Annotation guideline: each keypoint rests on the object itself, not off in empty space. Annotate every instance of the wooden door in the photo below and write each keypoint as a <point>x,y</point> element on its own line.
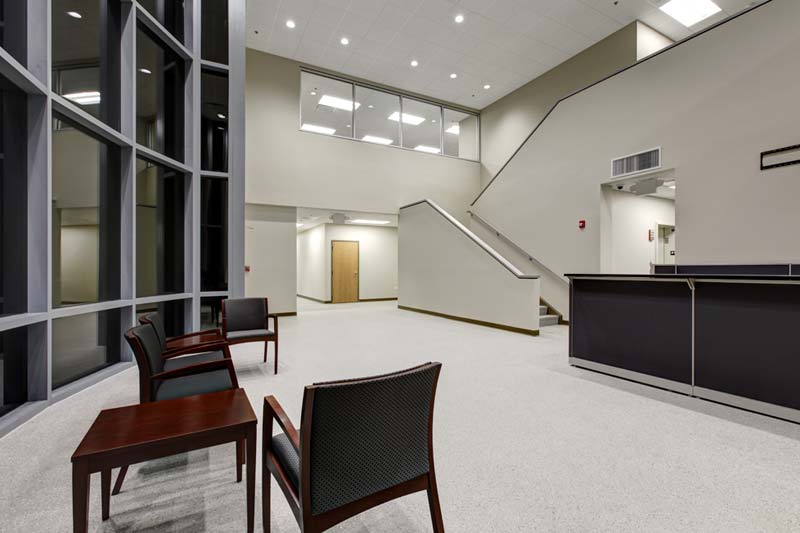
<point>344,271</point>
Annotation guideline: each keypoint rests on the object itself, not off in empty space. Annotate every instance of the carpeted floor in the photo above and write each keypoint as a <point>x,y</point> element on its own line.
<point>523,442</point>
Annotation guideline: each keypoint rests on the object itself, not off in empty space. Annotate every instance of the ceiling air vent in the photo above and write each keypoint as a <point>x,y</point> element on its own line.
<point>632,164</point>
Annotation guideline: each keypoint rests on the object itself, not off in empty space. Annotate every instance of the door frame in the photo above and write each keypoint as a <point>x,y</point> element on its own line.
<point>358,277</point>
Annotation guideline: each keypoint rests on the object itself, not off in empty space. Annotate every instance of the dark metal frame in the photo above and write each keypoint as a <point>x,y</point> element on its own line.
<point>794,148</point>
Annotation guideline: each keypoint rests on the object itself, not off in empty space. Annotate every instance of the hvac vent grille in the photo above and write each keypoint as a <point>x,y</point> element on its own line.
<point>636,163</point>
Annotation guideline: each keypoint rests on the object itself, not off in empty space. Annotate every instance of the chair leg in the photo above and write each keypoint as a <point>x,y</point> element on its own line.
<point>276,356</point>
<point>120,479</point>
<point>433,502</point>
<point>239,460</point>
<point>266,345</point>
<point>266,485</point>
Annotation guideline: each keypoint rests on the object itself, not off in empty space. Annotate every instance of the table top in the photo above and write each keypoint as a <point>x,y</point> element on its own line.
<point>147,423</point>
<point>195,341</point>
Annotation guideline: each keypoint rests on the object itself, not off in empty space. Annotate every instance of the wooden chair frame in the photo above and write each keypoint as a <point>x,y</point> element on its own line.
<point>181,345</point>
<point>301,503</point>
<point>265,338</point>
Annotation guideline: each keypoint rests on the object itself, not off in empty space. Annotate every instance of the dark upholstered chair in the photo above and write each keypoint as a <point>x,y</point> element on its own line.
<point>195,342</point>
<point>163,378</point>
<point>247,320</point>
<point>362,442</point>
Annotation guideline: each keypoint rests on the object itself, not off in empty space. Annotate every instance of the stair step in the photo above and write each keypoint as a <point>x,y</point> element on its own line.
<point>548,320</point>
<point>542,310</point>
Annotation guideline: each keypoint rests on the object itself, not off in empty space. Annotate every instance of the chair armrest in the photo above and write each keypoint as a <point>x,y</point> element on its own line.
<point>195,334</point>
<point>274,318</point>
<point>199,368</point>
<point>273,410</point>
<point>220,345</point>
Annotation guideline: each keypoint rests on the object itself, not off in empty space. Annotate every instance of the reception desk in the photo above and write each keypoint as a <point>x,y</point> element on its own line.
<point>732,339</point>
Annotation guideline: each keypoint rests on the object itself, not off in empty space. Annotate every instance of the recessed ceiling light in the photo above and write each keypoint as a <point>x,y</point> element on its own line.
<point>313,93</point>
<point>74,14</point>
<point>459,18</point>
<point>339,103</point>
<point>453,76</point>
<point>345,41</point>
<point>690,12</point>
<point>487,86</point>
<point>371,106</point>
<point>434,121</point>
<point>145,71</point>
<point>221,116</point>
<point>318,129</point>
<point>84,98</point>
<point>290,24</point>
<point>414,63</point>
<point>455,129</point>
<point>429,149</point>
<point>376,140</point>
<point>299,224</point>
<point>368,221</point>
<point>349,126</point>
<point>407,118</point>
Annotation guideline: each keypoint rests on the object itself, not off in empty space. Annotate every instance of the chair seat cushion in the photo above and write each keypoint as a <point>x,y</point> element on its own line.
<point>193,359</point>
<point>287,457</point>
<point>249,333</point>
<point>214,381</point>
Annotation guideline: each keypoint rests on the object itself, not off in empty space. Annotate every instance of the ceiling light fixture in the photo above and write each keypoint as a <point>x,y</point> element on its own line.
<point>414,120</point>
<point>487,86</point>
<point>368,221</point>
<point>221,116</point>
<point>345,41</point>
<point>313,93</point>
<point>145,71</point>
<point>74,14</point>
<point>290,24</point>
<point>376,140</point>
<point>299,224</point>
<point>428,149</point>
<point>84,98</point>
<point>317,129</point>
<point>339,103</point>
<point>690,12</point>
<point>455,129</point>
<point>459,18</point>
<point>453,76</point>
<point>414,63</point>
<point>371,106</point>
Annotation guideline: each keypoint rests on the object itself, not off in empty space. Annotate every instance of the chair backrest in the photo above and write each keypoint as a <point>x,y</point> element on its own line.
<point>146,347</point>
<point>240,314</point>
<point>154,319</point>
<point>360,437</point>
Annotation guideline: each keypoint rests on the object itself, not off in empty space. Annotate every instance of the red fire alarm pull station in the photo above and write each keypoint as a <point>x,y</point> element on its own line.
<point>650,236</point>
<point>247,268</point>
<point>581,224</point>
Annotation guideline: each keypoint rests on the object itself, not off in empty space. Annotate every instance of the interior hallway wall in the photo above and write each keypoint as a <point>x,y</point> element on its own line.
<point>311,263</point>
<point>286,166</point>
<point>377,254</point>
<point>270,252</point>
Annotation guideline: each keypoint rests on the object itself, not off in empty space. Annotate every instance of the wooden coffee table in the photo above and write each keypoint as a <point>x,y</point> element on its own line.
<point>137,433</point>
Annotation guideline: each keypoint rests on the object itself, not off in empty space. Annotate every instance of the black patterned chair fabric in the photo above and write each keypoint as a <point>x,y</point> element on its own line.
<point>158,325</point>
<point>245,315</point>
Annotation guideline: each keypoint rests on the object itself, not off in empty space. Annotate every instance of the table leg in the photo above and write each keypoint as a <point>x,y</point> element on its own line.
<point>251,476</point>
<point>105,489</point>
<point>239,459</point>
<point>80,497</point>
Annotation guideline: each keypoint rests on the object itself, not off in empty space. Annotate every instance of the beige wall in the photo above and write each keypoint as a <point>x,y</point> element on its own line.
<point>288,167</point>
<point>80,248</point>
<point>311,278</point>
<point>649,41</point>
<point>377,258</point>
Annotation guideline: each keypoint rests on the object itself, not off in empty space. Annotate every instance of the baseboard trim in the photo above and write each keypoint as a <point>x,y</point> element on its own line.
<point>313,299</point>
<point>513,329</point>
<point>287,313</point>
<point>377,299</point>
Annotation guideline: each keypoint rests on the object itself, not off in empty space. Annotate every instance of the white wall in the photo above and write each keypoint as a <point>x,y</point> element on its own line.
<point>713,104</point>
<point>443,270</point>
<point>377,254</point>
<point>626,219</point>
<point>649,41</point>
<point>288,167</point>
<point>270,252</point>
<point>311,264</point>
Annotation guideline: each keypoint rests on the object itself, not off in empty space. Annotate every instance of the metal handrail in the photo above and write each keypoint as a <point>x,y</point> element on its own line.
<point>474,238</point>
<point>516,246</point>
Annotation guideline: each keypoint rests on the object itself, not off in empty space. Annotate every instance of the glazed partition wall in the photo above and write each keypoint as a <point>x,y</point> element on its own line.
<point>121,182</point>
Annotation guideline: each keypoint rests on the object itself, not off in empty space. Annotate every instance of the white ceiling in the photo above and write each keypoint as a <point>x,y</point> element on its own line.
<point>504,43</point>
<point>310,217</point>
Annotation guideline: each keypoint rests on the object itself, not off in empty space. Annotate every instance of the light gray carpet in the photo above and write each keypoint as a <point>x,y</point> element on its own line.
<point>523,442</point>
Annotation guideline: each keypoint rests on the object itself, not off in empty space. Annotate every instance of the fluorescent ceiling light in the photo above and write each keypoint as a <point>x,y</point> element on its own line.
<point>345,41</point>
<point>455,129</point>
<point>459,18</point>
<point>318,129</point>
<point>84,98</point>
<point>428,149</point>
<point>290,24</point>
<point>368,221</point>
<point>487,86</point>
<point>414,120</point>
<point>338,103</point>
<point>74,14</point>
<point>690,12</point>
<point>453,76</point>
<point>145,71</point>
<point>376,140</point>
<point>414,63</point>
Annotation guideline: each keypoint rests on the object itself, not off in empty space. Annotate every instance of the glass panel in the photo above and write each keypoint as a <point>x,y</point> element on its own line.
<point>13,200</point>
<point>84,344</point>
<point>172,313</point>
<point>13,19</point>
<point>211,312</point>
<point>160,229</point>
<point>460,134</point>
<point>376,120</point>
<point>421,126</point>
<point>86,217</point>
<point>215,31</point>
<point>85,55</point>
<point>326,106</point>
<point>169,13</point>
<point>159,97</point>
<point>13,369</point>
<point>214,153</point>
<point>214,235</point>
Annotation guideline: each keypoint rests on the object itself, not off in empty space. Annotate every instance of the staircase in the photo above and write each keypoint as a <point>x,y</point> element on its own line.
<point>546,319</point>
